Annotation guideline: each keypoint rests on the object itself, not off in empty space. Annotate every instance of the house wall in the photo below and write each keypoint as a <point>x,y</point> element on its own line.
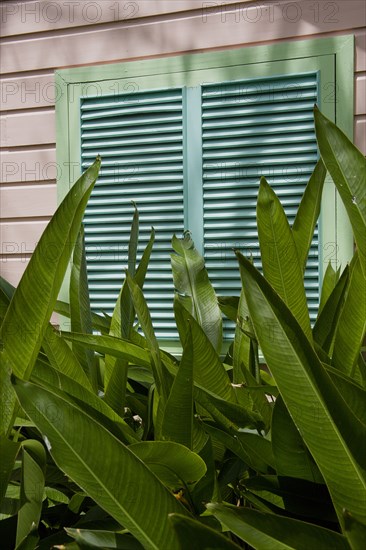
<point>41,36</point>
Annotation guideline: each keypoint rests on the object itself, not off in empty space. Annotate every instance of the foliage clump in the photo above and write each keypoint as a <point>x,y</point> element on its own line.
<point>109,441</point>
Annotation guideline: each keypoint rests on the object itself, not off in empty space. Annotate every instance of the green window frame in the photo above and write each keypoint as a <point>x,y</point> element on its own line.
<point>331,58</point>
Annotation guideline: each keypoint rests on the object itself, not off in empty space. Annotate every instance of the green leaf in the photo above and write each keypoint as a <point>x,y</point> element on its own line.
<point>272,532</point>
<point>208,370</point>
<point>58,352</point>
<point>174,464</point>
<point>62,358</point>
<point>36,294</point>
<point>229,415</point>
<point>281,265</point>
<point>103,539</point>
<point>116,370</point>
<point>351,327</point>
<point>355,531</point>
<point>326,323</point>
<point>46,376</point>
<point>113,346</point>
<point>194,290</point>
<point>255,451</point>
<point>206,489</point>
<point>242,341</point>
<point>31,541</point>
<point>30,309</point>
<point>323,418</point>
<point>32,487</point>
<point>330,280</point>
<point>92,457</point>
<point>291,454</point>
<point>308,213</point>
<point>80,313</point>
<point>144,318</point>
<point>304,499</point>
<point>259,394</point>
<point>6,293</point>
<point>100,322</point>
<point>133,243</point>
<point>115,373</point>
<point>229,306</point>
<point>56,496</point>
<point>196,536</point>
<point>8,453</point>
<point>352,393</point>
<point>178,414</point>
<point>346,164</point>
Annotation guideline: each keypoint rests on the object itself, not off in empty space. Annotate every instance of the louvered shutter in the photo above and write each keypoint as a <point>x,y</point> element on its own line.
<point>140,139</point>
<point>249,128</point>
<point>253,128</point>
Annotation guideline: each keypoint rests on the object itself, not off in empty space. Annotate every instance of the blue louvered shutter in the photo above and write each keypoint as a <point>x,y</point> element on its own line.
<point>249,128</point>
<point>253,128</point>
<point>140,139</point>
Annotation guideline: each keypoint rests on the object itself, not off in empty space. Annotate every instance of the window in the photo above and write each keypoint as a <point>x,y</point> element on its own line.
<point>187,138</point>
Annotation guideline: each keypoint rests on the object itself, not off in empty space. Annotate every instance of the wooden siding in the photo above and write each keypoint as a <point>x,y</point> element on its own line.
<point>39,38</point>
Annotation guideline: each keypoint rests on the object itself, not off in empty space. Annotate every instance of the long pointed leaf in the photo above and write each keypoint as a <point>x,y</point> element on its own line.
<point>100,322</point>
<point>174,464</point>
<point>178,415</point>
<point>62,358</point>
<point>32,486</point>
<point>194,289</point>
<point>308,213</point>
<point>272,532</point>
<point>102,539</point>
<point>144,318</point>
<point>330,280</point>
<point>115,478</point>
<point>46,376</point>
<point>121,324</point>
<point>291,454</point>
<point>36,294</point>
<point>115,377</point>
<point>80,311</point>
<point>208,370</point>
<point>326,323</point>
<point>253,450</point>
<point>322,416</point>
<point>280,260</point>
<point>8,453</point>
<point>30,309</point>
<point>351,327</point>
<point>196,536</point>
<point>347,166</point>
<point>56,349</point>
<point>355,531</point>
<point>114,346</point>
<point>353,394</point>
<point>242,347</point>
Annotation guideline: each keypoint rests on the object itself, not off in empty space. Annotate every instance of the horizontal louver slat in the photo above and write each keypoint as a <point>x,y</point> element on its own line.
<point>254,128</point>
<point>140,139</point>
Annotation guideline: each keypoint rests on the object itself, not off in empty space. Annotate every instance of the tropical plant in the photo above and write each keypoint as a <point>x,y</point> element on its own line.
<point>108,441</point>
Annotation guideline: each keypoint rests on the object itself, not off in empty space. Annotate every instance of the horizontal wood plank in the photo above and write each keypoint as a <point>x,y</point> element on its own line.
<point>12,268</point>
<point>28,201</point>
<point>214,30</point>
<point>360,53</point>
<point>360,94</point>
<point>28,128</point>
<point>42,15</point>
<point>28,92</point>
<point>360,133</point>
<point>35,165</point>
<point>21,237</point>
